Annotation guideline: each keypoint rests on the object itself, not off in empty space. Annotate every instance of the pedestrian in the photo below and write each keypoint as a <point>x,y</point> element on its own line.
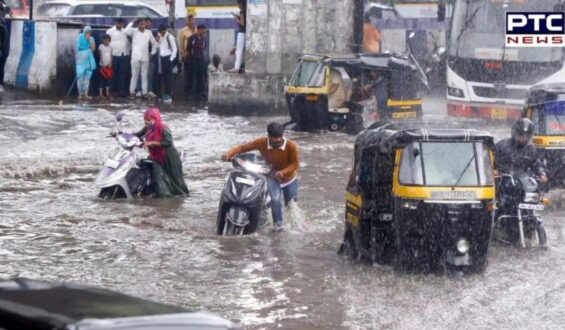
<point>121,60</point>
<point>240,43</point>
<point>141,40</point>
<point>167,54</point>
<point>152,75</point>
<point>85,63</point>
<point>371,36</point>
<point>105,54</point>
<point>4,36</point>
<point>282,154</point>
<point>216,65</point>
<point>196,51</point>
<point>185,33</point>
<point>167,167</point>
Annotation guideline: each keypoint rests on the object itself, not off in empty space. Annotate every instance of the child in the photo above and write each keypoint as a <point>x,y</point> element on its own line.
<point>105,52</point>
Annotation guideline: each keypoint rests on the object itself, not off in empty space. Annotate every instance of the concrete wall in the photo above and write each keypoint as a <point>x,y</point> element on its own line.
<point>31,63</point>
<point>246,94</point>
<point>278,31</point>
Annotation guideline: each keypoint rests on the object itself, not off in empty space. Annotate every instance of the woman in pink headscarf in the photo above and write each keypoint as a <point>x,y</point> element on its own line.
<point>167,167</point>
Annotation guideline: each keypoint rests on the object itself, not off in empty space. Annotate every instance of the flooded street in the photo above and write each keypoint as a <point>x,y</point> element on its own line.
<point>53,227</point>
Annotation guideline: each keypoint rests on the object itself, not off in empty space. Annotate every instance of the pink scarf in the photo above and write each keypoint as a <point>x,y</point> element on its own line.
<point>155,134</point>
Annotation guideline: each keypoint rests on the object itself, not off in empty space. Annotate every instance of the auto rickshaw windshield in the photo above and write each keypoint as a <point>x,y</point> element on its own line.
<point>446,164</point>
<point>554,118</point>
<point>308,74</point>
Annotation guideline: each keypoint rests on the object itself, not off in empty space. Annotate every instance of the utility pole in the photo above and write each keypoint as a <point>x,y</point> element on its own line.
<point>172,19</point>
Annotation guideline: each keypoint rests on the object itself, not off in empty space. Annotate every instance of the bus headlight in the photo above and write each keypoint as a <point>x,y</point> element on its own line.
<point>455,92</point>
<point>463,246</point>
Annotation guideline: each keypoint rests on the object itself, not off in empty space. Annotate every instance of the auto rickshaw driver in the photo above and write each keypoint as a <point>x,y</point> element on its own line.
<point>377,88</point>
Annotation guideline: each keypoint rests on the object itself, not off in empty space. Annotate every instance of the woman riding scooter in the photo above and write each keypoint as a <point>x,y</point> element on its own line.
<point>167,172</point>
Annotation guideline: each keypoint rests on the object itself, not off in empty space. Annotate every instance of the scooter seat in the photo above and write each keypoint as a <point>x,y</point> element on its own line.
<point>339,110</point>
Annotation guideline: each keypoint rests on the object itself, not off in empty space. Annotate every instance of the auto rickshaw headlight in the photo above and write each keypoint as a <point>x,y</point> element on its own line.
<point>409,204</point>
<point>531,197</point>
<point>463,246</point>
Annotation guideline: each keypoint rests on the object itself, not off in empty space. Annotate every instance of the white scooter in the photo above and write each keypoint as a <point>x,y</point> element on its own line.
<point>126,174</point>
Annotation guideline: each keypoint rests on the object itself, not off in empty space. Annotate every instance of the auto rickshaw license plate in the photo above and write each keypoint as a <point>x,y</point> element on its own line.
<point>535,207</point>
<point>498,113</point>
<point>399,115</point>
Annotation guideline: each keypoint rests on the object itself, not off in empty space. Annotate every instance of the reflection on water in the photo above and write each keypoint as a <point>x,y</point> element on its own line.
<point>53,227</point>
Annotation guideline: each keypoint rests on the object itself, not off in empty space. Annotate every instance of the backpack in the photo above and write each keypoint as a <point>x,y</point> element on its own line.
<point>176,61</point>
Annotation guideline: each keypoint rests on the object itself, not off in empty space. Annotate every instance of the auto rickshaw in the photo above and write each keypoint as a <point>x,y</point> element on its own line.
<point>545,107</point>
<point>421,199</point>
<point>325,91</point>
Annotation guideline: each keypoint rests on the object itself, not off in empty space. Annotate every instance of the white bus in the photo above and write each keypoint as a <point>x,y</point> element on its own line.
<point>485,79</point>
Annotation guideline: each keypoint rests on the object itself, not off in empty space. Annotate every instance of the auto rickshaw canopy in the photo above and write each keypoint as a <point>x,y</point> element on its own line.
<point>400,63</point>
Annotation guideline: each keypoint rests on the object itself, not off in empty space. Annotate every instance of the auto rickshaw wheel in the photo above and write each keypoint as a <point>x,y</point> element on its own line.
<point>334,127</point>
<point>348,249</point>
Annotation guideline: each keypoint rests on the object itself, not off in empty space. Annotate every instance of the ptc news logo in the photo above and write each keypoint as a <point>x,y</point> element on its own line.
<point>535,29</point>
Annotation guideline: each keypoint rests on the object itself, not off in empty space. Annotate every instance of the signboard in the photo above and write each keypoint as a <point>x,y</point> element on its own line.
<point>213,11</point>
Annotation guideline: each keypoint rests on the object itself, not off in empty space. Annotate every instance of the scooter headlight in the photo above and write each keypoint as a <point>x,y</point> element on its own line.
<point>532,197</point>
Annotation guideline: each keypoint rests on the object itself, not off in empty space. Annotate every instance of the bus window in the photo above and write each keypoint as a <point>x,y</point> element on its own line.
<point>211,3</point>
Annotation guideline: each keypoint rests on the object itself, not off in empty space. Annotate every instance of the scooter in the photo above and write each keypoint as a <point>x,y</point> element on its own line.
<point>245,198</point>
<point>126,174</point>
<point>519,202</point>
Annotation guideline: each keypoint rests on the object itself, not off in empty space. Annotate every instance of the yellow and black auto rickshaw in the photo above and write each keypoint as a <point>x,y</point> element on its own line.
<point>421,199</point>
<point>325,91</point>
<point>545,107</point>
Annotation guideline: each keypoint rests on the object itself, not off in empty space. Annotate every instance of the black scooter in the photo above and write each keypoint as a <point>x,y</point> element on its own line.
<point>519,201</point>
<point>245,197</point>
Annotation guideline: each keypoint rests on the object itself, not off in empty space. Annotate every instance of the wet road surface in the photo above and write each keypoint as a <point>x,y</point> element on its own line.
<point>53,227</point>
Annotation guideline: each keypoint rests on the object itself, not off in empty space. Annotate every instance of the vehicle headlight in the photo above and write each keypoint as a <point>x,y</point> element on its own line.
<point>463,246</point>
<point>409,204</point>
<point>531,197</point>
<point>456,92</point>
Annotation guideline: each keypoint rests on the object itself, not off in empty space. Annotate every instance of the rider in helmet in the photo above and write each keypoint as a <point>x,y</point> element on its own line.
<point>518,153</point>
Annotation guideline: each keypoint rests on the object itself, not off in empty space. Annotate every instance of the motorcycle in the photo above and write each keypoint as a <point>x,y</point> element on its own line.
<point>518,205</point>
<point>245,198</point>
<point>126,174</point>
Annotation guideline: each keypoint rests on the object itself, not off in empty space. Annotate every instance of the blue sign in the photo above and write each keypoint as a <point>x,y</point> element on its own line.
<point>535,23</point>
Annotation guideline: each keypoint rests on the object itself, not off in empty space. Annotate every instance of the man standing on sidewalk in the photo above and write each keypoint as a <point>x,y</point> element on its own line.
<point>196,49</point>
<point>120,57</point>
<point>141,40</point>
<point>185,33</point>
<point>167,55</point>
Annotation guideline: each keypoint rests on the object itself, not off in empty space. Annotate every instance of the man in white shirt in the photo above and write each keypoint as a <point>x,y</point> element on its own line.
<point>167,54</point>
<point>120,57</point>
<point>141,40</point>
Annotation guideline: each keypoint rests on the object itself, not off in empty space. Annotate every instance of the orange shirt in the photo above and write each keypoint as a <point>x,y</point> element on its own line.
<point>283,159</point>
<point>371,38</point>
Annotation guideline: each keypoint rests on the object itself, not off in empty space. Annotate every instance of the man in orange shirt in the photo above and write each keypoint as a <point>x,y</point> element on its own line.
<point>282,154</point>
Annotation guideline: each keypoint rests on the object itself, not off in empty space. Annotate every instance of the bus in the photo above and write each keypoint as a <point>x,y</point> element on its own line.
<point>486,79</point>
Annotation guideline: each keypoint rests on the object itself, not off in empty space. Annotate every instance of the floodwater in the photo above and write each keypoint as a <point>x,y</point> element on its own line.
<point>53,227</point>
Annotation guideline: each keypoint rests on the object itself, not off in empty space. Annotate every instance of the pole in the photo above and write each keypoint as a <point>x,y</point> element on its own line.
<point>30,10</point>
<point>172,14</point>
<point>359,6</point>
